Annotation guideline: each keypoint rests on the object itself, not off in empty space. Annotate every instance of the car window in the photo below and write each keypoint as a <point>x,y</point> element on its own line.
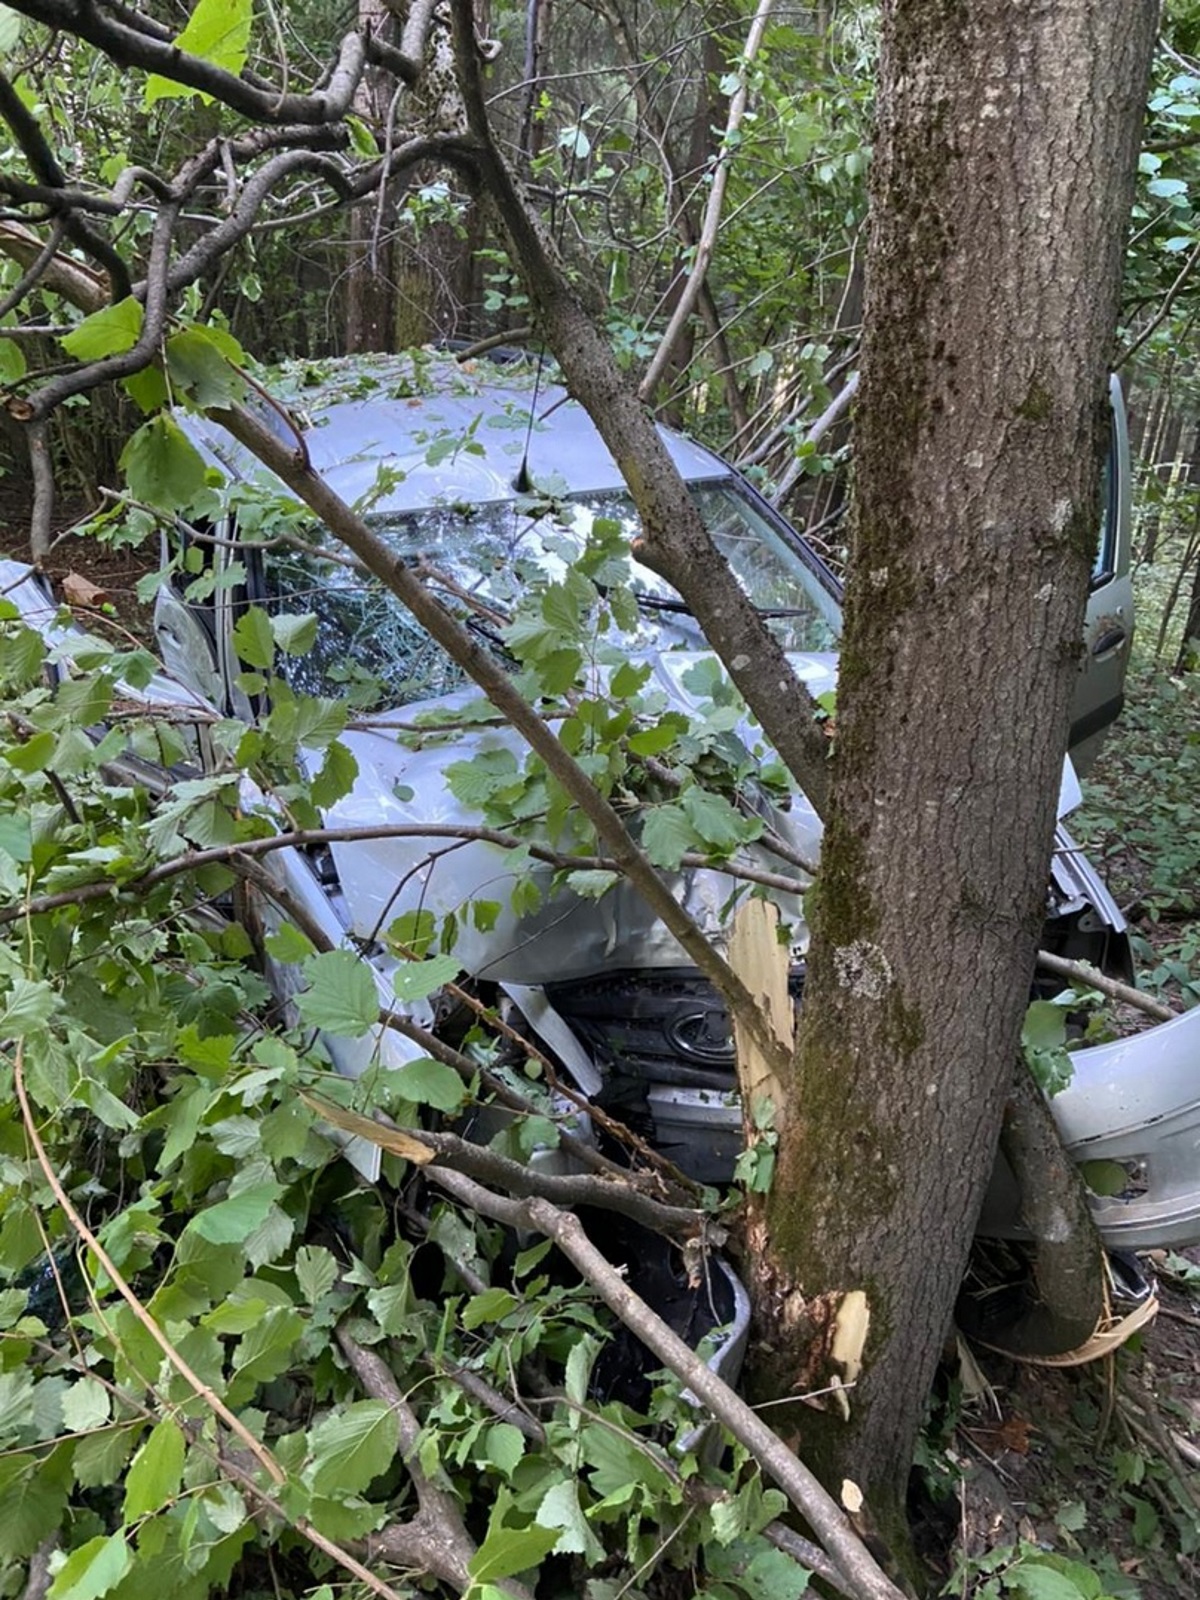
<point>1102,567</point>
<point>480,559</point>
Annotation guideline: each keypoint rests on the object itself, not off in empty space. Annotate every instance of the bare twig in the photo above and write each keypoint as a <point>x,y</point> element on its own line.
<point>41,470</point>
<point>1089,977</point>
<point>213,1400</point>
<point>712,214</point>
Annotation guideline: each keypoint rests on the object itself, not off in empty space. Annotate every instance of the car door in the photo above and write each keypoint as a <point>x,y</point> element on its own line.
<point>1108,622</point>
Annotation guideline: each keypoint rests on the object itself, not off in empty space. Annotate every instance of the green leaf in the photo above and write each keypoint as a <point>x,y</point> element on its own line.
<point>92,1570</point>
<point>352,1447</point>
<point>361,137</point>
<point>474,782</point>
<point>147,389</point>
<point>217,31</point>
<point>265,1350</point>
<point>592,883</point>
<point>10,30</point>
<point>1043,1041</point>
<point>316,1271</point>
<point>110,331</point>
<point>758,1573</point>
<point>156,1472</point>
<point>288,945</point>
<point>295,635</point>
<point>429,1083</point>
<point>653,741</point>
<point>503,1447</point>
<point>35,755</point>
<point>86,1405</point>
<point>579,1368</point>
<point>162,466</point>
<point>629,677</point>
<point>1104,1177</point>
<point>417,980</point>
<point>28,1007</point>
<point>488,1306</point>
<point>718,823</point>
<point>32,1496</point>
<point>414,930</point>
<point>560,1508</point>
<point>254,638</point>
<point>16,838</point>
<point>12,357</point>
<point>507,1551</point>
<point>100,1459</point>
<point>199,369</point>
<point>341,997</point>
<point>231,1220</point>
<point>667,835</point>
<point>1033,1581</point>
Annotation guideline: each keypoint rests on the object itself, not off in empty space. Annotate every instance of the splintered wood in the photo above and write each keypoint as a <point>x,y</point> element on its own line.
<point>761,962</point>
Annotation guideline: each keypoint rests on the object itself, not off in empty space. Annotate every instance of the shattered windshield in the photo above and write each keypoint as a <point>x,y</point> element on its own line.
<point>480,561</point>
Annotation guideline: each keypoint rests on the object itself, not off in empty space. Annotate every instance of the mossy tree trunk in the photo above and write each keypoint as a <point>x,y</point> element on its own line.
<point>1007,141</point>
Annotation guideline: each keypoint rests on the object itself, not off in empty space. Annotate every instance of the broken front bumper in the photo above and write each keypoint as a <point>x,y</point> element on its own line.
<point>1136,1103</point>
<point>1133,1104</point>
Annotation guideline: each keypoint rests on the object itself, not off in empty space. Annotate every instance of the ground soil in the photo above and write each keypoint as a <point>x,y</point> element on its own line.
<point>1099,1463</point>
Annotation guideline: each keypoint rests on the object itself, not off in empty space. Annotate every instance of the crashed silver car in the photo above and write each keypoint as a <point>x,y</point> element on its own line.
<point>435,455</point>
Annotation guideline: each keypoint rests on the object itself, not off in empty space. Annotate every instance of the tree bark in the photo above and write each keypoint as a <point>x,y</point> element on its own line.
<point>370,289</point>
<point>1001,184</point>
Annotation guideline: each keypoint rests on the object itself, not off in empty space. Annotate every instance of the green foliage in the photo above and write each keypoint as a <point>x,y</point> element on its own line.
<point>185,1129</point>
<point>1044,1043</point>
<point>1140,818</point>
<point>218,31</point>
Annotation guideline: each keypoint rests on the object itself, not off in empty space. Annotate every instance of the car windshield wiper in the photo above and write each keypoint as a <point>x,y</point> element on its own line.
<point>659,602</point>
<point>662,602</point>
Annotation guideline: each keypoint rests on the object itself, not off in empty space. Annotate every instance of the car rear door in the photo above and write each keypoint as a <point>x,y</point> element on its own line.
<point>1108,622</point>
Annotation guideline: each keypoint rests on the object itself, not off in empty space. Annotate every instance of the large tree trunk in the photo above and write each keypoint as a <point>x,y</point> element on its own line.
<point>1002,180</point>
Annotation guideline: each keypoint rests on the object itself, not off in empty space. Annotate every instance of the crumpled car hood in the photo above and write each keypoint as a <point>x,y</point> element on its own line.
<point>568,936</point>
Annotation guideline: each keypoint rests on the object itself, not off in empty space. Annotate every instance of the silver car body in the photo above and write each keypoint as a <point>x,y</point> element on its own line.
<point>1135,1102</point>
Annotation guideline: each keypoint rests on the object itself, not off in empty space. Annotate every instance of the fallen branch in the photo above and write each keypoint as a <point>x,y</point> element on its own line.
<point>614,1193</point>
<point>436,1539</point>
<point>1089,977</point>
<point>203,1390</point>
<point>863,1578</point>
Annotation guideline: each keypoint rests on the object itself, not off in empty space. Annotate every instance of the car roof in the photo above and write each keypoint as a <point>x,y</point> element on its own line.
<point>449,431</point>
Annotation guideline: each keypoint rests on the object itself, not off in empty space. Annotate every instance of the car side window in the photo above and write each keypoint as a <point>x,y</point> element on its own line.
<point>1106,550</point>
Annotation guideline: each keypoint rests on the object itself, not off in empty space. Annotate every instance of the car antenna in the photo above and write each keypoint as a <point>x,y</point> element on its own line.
<point>523,482</point>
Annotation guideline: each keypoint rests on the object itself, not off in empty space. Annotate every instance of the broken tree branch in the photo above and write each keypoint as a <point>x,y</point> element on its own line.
<point>1086,976</point>
<point>435,1540</point>
<point>862,1575</point>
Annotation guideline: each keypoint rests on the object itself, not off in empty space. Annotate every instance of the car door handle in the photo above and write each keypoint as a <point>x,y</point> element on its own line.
<point>1110,642</point>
